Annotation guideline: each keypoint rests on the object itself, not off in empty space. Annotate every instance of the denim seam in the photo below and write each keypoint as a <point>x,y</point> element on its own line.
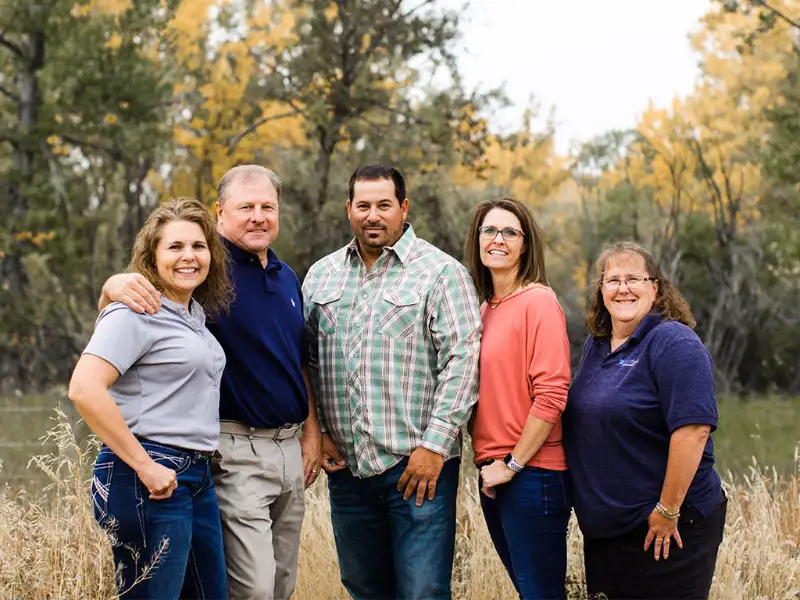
<point>137,491</point>
<point>198,583</point>
<point>547,525</point>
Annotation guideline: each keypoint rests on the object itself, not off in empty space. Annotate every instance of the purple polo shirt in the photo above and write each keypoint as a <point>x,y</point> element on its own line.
<point>622,409</point>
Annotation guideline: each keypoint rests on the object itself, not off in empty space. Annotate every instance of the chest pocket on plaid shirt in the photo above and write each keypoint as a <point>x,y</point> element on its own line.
<point>327,302</point>
<point>399,313</point>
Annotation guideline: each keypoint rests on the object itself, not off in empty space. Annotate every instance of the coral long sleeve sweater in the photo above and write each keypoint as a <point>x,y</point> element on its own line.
<point>524,369</point>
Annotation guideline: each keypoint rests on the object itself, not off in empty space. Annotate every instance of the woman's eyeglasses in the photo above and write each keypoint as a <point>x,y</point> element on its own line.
<point>509,233</point>
<point>631,281</point>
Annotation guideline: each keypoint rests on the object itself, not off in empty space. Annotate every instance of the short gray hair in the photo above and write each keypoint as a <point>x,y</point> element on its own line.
<point>243,174</point>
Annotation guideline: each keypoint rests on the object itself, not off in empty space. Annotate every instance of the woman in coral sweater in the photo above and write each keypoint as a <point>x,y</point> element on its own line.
<point>525,376</point>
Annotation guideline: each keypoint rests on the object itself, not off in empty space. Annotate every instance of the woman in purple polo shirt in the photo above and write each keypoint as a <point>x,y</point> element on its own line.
<point>637,437</point>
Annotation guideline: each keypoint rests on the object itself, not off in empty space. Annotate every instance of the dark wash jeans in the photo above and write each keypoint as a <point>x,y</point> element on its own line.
<point>390,549</point>
<point>192,564</point>
<point>528,524</point>
<point>619,568</point>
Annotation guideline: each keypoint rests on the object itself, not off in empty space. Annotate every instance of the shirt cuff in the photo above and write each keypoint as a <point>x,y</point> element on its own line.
<point>439,437</point>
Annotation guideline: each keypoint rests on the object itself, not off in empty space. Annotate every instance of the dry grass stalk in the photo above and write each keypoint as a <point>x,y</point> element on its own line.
<point>51,547</point>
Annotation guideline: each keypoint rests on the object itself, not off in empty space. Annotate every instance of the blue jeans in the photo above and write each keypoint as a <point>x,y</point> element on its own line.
<point>528,524</point>
<point>389,548</point>
<point>181,535</point>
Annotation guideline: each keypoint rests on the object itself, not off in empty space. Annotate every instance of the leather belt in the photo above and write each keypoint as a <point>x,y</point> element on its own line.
<point>279,433</point>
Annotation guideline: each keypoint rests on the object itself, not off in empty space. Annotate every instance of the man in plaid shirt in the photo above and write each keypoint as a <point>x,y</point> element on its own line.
<point>394,338</point>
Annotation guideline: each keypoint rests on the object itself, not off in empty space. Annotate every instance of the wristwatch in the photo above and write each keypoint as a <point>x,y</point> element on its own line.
<point>512,463</point>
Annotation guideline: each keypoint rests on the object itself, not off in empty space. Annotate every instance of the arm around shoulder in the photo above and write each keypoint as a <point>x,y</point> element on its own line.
<point>131,289</point>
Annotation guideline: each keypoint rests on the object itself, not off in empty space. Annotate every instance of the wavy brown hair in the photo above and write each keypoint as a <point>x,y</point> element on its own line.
<point>531,259</point>
<point>216,292</point>
<point>669,302</point>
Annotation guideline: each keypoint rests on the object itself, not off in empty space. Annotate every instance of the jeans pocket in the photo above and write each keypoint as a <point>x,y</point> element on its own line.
<point>178,463</point>
<point>101,487</point>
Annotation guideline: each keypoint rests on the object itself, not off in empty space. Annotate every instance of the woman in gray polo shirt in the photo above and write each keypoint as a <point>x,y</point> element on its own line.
<point>148,386</point>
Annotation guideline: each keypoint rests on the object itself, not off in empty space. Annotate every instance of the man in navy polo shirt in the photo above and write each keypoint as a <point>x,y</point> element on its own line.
<point>265,394</point>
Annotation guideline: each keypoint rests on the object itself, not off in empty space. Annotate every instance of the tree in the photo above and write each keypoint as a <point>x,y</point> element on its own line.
<point>82,107</point>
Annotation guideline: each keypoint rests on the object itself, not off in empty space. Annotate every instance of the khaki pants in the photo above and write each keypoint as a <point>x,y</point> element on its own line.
<point>259,483</point>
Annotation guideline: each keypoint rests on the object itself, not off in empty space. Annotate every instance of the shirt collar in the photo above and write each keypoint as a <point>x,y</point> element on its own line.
<point>240,255</point>
<point>402,248</point>
<point>194,314</point>
<point>653,318</point>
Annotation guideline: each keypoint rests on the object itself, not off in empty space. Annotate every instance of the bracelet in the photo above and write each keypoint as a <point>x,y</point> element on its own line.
<point>666,513</point>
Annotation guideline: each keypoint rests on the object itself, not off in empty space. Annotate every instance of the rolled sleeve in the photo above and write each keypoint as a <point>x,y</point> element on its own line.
<point>455,328</point>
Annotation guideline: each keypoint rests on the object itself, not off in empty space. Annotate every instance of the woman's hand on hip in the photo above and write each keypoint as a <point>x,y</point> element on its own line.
<point>660,534</point>
<point>159,480</point>
<point>493,475</point>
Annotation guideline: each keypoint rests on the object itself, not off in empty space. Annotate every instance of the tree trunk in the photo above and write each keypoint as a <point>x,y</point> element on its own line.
<point>12,272</point>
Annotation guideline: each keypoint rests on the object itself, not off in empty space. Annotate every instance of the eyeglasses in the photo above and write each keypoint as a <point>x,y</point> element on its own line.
<point>631,281</point>
<point>509,233</point>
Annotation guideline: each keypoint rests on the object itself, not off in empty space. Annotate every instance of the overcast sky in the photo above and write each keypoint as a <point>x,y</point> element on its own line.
<point>597,62</point>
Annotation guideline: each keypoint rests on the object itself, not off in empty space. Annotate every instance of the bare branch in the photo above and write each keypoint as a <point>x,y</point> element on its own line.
<point>416,8</point>
<point>114,153</point>
<point>778,13</point>
<point>4,41</point>
<point>9,94</point>
<point>258,123</point>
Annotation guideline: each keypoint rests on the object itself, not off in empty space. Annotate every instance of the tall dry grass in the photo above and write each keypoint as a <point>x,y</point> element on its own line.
<point>51,548</point>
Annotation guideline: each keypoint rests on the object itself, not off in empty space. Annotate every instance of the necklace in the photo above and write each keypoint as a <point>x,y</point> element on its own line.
<point>503,299</point>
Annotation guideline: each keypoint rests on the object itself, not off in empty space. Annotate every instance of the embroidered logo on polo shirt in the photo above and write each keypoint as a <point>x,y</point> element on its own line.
<point>627,362</point>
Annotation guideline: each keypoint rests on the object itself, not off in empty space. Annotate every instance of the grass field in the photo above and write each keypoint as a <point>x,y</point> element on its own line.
<point>767,429</point>
<point>50,547</point>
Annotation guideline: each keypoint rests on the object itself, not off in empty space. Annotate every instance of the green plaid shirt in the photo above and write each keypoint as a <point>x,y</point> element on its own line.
<point>393,351</point>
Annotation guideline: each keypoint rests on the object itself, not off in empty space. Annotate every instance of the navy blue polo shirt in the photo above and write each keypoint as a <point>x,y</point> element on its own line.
<point>262,384</point>
<point>622,409</point>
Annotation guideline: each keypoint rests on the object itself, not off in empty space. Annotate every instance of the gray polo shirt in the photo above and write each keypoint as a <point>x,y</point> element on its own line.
<point>170,368</point>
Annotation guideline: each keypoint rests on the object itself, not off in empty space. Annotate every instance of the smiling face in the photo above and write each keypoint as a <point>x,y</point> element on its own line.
<point>248,215</point>
<point>376,215</point>
<point>497,253</point>
<point>182,259</point>
<point>627,305</point>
